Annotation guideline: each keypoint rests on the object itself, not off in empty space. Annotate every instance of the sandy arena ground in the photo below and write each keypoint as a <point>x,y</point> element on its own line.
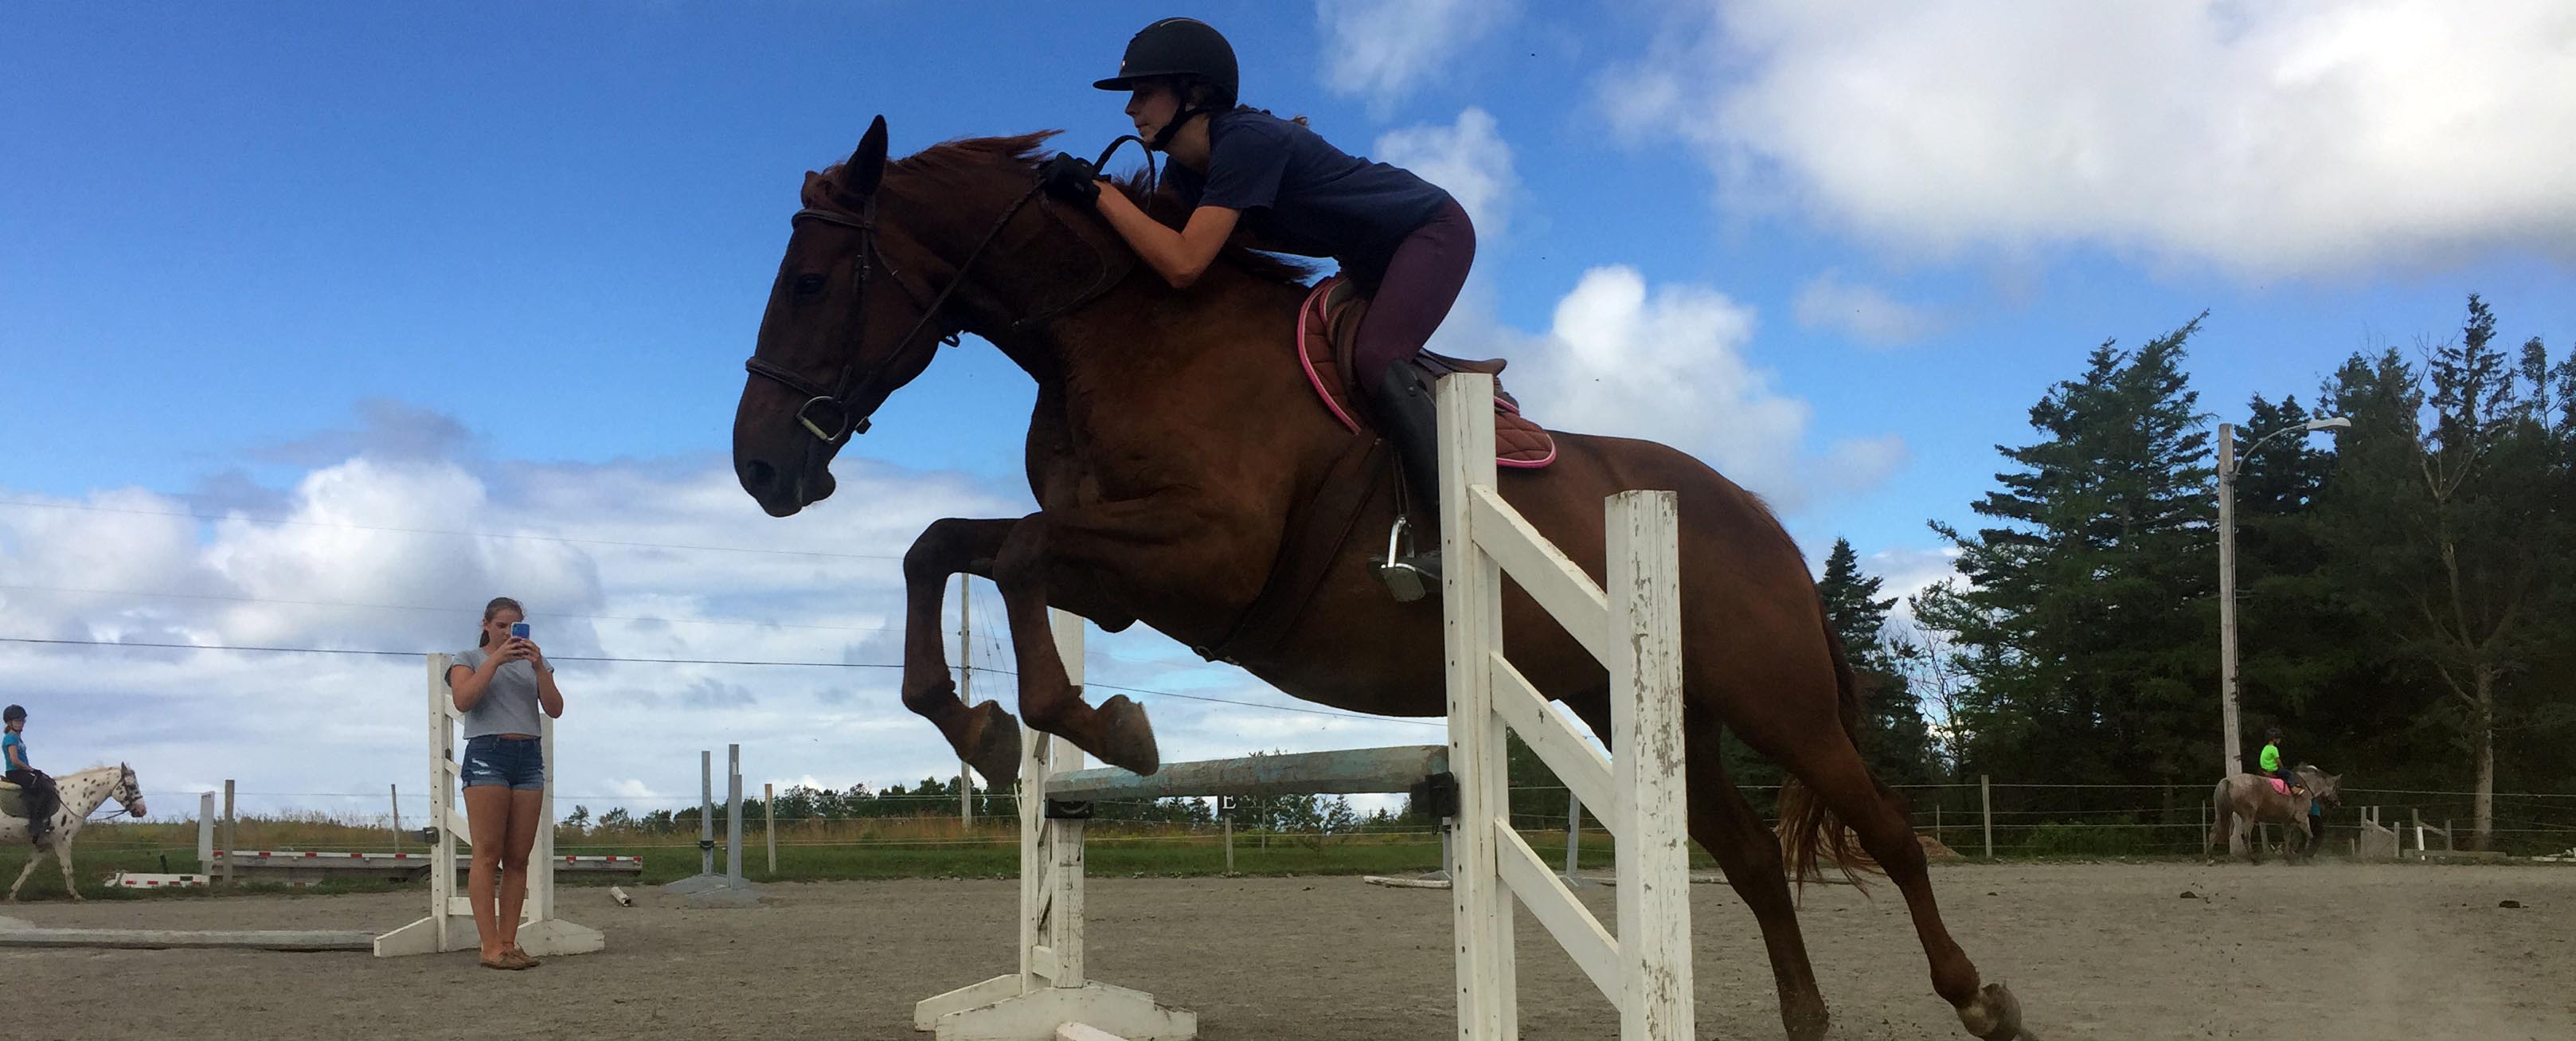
<point>2345,952</point>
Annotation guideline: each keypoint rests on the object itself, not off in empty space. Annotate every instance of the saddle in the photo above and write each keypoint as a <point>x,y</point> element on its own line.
<point>2279,786</point>
<point>1328,324</point>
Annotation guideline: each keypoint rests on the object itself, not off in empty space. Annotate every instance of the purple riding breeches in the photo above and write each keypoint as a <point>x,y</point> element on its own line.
<point>1421,282</point>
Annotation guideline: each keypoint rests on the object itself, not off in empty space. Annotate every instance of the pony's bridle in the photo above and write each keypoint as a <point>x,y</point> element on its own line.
<point>854,378</point>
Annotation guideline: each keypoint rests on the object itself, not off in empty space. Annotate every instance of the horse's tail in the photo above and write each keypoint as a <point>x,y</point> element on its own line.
<point>1806,825</point>
<point>2222,816</point>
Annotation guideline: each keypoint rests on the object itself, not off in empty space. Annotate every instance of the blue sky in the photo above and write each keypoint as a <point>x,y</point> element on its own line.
<point>493,269</point>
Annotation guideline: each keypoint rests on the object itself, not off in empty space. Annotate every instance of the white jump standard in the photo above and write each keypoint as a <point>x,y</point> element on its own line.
<point>450,925</point>
<point>1633,628</point>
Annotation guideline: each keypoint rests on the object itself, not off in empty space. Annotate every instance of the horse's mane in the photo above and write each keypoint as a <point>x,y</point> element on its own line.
<point>964,160</point>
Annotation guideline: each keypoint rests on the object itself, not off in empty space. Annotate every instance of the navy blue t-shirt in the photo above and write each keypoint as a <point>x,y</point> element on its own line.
<point>1296,190</point>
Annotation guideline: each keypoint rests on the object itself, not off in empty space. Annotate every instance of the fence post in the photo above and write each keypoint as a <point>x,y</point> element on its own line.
<point>206,832</point>
<point>733,814</point>
<point>395,792</point>
<point>769,824</point>
<point>1573,834</point>
<point>230,836</point>
<point>1229,845</point>
<point>1986,795</point>
<point>706,811</point>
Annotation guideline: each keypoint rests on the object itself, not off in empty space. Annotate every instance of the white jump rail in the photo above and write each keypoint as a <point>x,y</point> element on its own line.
<point>1639,796</point>
<point>450,924</point>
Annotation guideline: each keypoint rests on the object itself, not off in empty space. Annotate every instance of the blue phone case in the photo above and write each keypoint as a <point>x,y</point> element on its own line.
<point>519,629</point>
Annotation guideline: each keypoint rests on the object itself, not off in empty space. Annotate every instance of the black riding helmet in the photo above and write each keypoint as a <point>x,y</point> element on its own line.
<point>1185,49</point>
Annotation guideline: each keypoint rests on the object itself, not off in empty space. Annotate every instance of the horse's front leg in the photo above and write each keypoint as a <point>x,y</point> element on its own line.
<point>63,854</point>
<point>984,736</point>
<point>1111,560</point>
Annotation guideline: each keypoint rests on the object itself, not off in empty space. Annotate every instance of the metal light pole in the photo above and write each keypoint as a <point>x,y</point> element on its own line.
<point>2227,571</point>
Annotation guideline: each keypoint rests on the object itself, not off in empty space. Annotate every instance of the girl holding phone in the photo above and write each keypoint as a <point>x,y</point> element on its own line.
<point>500,685</point>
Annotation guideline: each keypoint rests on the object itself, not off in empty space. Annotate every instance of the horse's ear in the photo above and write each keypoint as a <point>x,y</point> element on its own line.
<point>867,165</point>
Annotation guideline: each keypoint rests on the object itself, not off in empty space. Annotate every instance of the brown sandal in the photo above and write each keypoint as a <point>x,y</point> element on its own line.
<point>502,962</point>
<point>520,958</point>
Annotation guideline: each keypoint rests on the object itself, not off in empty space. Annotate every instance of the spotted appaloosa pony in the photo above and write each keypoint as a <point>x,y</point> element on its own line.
<point>2247,799</point>
<point>82,794</point>
<point>1174,445</point>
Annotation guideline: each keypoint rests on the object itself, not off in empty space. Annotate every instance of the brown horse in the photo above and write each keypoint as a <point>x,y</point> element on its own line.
<point>1172,451</point>
<point>2247,799</point>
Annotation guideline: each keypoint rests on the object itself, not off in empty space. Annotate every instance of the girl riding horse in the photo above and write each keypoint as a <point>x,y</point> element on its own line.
<point>1404,241</point>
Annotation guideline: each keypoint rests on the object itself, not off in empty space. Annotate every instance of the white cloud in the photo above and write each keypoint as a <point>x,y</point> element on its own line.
<point>1468,158</point>
<point>2266,140</point>
<point>1861,312</point>
<point>1671,364</point>
<point>398,550</point>
<point>1382,49</point>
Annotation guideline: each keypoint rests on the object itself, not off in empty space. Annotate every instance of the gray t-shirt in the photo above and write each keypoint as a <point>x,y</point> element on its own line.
<point>509,705</point>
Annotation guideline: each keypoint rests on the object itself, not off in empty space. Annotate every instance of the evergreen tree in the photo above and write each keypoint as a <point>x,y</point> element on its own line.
<point>2450,523</point>
<point>2085,620</point>
<point>1893,739</point>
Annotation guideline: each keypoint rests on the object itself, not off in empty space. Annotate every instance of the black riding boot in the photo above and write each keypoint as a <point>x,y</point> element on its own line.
<point>1410,420</point>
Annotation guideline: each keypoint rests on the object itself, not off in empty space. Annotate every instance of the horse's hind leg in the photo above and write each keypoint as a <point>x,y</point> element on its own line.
<point>985,736</point>
<point>35,856</point>
<point>1747,850</point>
<point>1830,765</point>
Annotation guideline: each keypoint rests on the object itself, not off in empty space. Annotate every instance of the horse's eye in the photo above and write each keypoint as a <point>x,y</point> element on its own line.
<point>808,285</point>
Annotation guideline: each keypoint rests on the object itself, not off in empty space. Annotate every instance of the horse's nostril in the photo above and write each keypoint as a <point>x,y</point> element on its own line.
<point>758,474</point>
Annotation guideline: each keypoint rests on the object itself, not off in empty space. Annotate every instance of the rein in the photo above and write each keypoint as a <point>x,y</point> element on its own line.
<point>840,424</point>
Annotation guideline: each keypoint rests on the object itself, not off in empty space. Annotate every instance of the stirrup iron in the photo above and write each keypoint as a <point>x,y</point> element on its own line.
<point>1401,570</point>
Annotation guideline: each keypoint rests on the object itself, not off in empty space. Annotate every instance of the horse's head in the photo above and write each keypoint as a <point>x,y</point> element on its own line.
<point>844,329</point>
<point>129,791</point>
<point>2322,785</point>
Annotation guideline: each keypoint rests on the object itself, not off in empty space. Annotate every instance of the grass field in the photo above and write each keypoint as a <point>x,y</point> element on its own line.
<point>807,851</point>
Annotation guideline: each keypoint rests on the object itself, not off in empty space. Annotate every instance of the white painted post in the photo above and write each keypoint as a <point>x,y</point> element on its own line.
<point>206,832</point>
<point>1229,845</point>
<point>1480,907</point>
<point>393,795</point>
<point>1052,988</point>
<point>769,823</point>
<point>1648,772</point>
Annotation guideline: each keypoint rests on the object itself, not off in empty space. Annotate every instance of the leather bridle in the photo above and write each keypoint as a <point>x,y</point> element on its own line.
<point>836,423</point>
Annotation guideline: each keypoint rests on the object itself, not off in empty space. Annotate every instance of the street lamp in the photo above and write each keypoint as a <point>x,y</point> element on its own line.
<point>2227,569</point>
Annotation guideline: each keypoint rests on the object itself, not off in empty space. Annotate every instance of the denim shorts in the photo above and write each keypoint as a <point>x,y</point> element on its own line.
<point>518,763</point>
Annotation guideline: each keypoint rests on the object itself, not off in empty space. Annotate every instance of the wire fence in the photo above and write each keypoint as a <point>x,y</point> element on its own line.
<point>2000,819</point>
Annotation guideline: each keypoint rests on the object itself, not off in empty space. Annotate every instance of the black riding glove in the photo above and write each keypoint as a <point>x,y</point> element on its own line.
<point>1072,179</point>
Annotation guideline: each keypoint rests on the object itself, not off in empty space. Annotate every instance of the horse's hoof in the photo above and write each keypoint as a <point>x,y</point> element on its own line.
<point>994,739</point>
<point>1806,1024</point>
<point>1995,1016</point>
<point>1126,736</point>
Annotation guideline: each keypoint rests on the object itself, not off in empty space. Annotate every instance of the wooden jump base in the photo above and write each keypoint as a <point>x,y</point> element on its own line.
<point>177,939</point>
<point>450,924</point>
<point>1632,627</point>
